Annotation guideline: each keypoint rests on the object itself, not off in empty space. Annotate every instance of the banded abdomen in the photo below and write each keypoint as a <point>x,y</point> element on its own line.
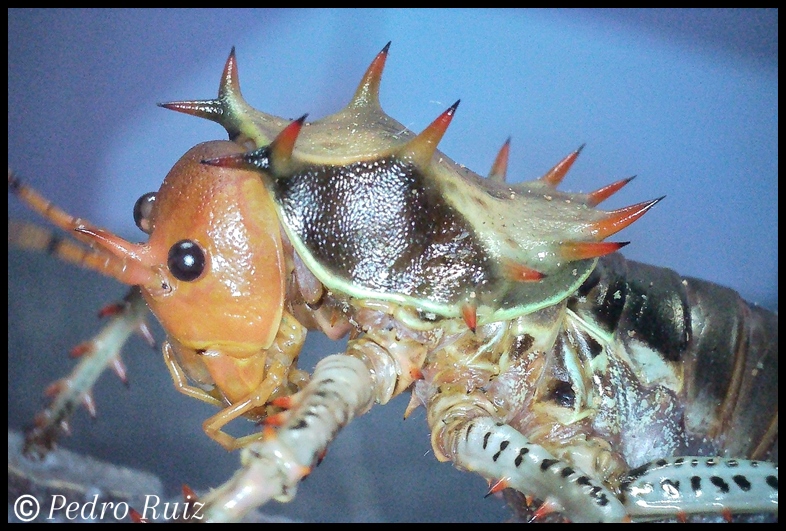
<point>714,352</point>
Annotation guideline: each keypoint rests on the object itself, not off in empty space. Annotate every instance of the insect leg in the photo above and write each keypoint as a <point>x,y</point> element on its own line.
<point>181,380</point>
<point>274,381</point>
<point>689,485</point>
<point>341,388</point>
<point>98,353</point>
<point>498,451</point>
<point>374,368</point>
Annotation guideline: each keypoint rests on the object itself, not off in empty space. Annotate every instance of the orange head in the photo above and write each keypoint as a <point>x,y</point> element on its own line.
<point>212,270</point>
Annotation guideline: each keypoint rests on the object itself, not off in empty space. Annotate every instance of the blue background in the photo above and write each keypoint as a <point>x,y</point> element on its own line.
<point>687,100</point>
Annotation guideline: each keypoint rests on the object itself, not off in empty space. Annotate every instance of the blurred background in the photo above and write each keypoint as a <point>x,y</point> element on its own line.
<point>687,100</point>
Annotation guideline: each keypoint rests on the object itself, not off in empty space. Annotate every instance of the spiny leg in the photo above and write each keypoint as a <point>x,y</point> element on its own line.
<point>96,354</point>
<point>695,485</point>
<point>340,389</point>
<point>374,368</point>
<point>498,451</point>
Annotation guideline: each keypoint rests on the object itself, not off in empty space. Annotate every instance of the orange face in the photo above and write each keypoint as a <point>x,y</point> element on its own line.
<point>213,268</point>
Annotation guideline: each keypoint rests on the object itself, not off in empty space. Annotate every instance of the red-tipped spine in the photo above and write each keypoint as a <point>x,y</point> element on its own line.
<point>497,487</point>
<point>555,175</point>
<point>601,194</point>
<point>469,312</point>
<point>521,273</point>
<point>421,148</point>
<point>499,170</point>
<point>571,251</point>
<point>367,93</point>
<point>621,218</point>
<point>230,81</point>
<point>283,145</point>
<point>208,109</point>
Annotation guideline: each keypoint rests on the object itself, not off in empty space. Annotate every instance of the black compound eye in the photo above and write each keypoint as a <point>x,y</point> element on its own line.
<point>186,260</point>
<point>142,210</point>
<point>562,393</point>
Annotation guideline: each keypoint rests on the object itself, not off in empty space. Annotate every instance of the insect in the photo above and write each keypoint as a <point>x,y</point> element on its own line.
<point>511,330</point>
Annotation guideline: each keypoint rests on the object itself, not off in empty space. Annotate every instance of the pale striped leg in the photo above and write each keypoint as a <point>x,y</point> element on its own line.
<point>498,451</point>
<point>692,485</point>
<point>100,352</point>
<point>341,388</point>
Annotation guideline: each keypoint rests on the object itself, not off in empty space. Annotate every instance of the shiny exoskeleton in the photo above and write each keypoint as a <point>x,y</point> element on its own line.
<point>602,389</point>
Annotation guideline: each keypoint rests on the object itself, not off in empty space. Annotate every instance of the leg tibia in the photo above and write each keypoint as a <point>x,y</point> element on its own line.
<point>497,451</point>
<point>340,389</point>
<point>701,485</point>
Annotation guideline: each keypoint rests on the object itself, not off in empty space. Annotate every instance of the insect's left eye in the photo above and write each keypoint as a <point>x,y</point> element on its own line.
<point>142,210</point>
<point>186,260</point>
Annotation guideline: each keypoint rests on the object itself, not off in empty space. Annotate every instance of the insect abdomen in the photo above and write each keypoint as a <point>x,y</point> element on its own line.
<point>675,331</point>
